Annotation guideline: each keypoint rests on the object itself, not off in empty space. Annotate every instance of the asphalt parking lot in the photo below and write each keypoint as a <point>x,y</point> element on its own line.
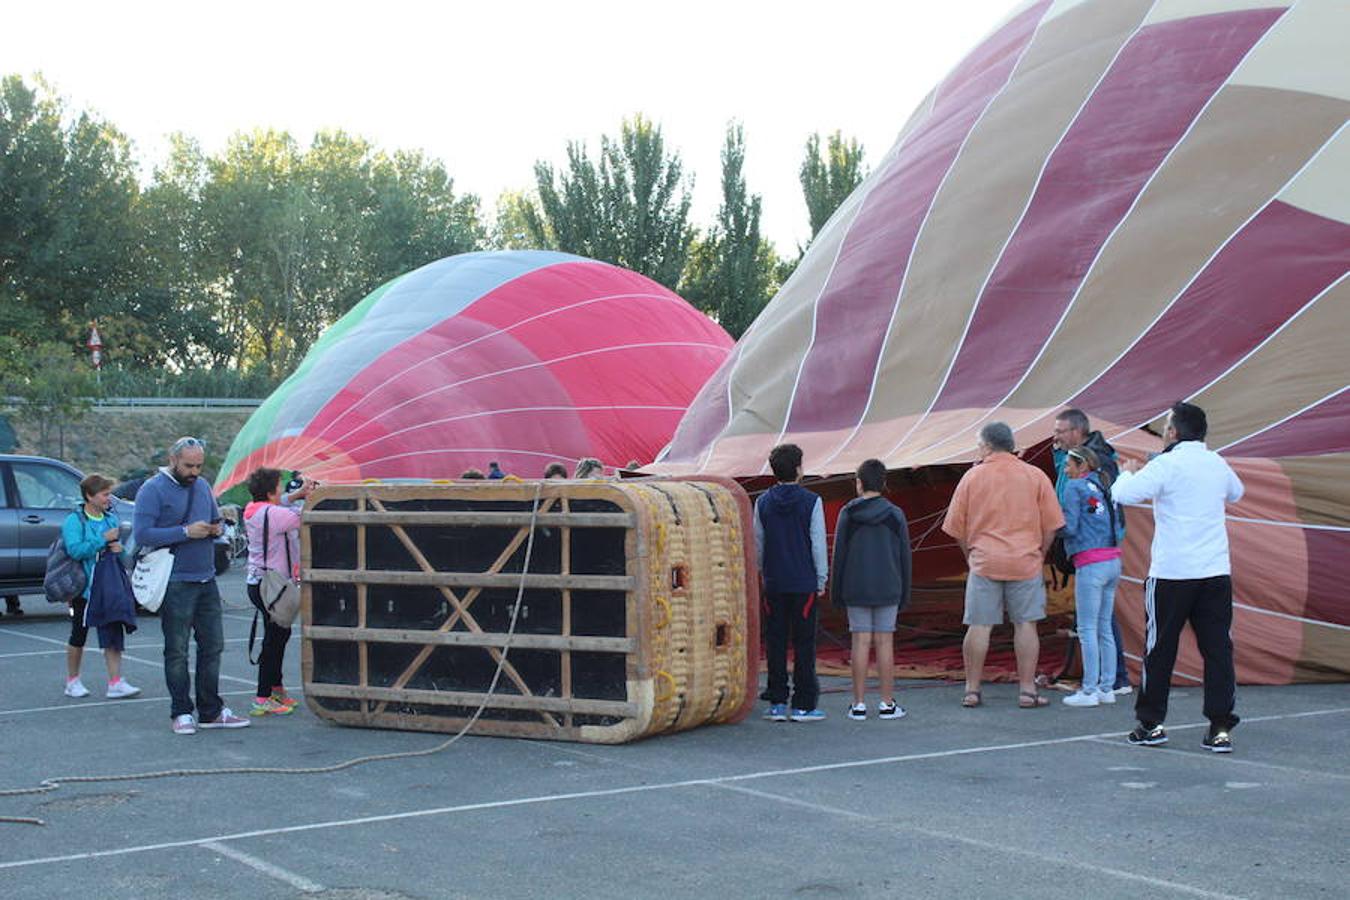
<point>946,802</point>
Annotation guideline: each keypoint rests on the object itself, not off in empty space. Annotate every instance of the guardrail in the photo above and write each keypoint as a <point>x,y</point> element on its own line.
<point>160,402</point>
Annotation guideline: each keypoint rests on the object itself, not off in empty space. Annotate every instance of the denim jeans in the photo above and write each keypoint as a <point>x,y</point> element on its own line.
<point>1094,596</point>
<point>193,606</point>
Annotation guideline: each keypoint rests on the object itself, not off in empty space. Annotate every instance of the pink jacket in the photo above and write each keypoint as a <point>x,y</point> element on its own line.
<point>283,524</point>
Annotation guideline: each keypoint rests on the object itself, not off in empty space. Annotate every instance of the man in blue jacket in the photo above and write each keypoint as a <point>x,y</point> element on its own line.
<point>790,543</point>
<point>176,509</point>
<point>1073,429</point>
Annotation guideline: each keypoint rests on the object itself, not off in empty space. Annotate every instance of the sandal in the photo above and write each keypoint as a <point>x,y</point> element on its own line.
<point>1031,700</point>
<point>971,700</point>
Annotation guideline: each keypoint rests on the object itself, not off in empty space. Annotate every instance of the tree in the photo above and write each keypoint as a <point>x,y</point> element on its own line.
<point>630,209</point>
<point>285,240</point>
<point>512,227</point>
<point>54,390</point>
<point>732,272</point>
<point>68,243</point>
<point>828,178</point>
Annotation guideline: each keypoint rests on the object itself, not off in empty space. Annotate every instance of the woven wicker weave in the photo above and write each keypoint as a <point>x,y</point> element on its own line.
<point>638,617</point>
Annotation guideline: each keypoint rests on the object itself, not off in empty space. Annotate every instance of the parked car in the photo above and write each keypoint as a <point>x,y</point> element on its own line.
<point>36,495</point>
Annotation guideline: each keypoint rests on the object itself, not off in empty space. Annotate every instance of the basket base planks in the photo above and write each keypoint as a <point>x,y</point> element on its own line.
<point>638,613</point>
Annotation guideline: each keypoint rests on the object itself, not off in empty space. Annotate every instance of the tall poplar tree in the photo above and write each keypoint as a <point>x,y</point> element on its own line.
<point>631,207</point>
<point>828,177</point>
<point>732,272</point>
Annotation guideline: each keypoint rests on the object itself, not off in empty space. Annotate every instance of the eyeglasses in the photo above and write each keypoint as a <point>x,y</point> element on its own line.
<point>183,443</point>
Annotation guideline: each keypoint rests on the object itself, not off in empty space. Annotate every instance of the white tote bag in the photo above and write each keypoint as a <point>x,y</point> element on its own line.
<point>152,577</point>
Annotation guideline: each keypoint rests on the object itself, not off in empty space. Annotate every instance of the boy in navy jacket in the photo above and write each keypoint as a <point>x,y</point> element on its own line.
<point>790,545</point>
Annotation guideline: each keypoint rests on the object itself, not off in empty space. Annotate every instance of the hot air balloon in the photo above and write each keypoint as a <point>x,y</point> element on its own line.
<point>521,357</point>
<point>1109,205</point>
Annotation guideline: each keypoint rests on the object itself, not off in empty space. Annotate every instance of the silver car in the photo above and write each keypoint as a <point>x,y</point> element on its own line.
<point>36,495</point>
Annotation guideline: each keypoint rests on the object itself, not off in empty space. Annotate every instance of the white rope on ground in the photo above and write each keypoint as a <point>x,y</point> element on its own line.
<point>51,784</point>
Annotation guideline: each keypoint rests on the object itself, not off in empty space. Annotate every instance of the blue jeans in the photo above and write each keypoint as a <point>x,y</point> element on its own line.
<point>1094,596</point>
<point>1122,674</point>
<point>193,606</point>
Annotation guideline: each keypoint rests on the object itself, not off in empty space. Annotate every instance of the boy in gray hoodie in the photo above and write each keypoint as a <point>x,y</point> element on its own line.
<point>871,572</point>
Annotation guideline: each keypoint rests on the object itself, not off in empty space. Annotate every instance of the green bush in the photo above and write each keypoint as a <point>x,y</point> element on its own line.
<point>118,382</point>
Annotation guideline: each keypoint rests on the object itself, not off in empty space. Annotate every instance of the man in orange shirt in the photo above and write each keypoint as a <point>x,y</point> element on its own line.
<point>1004,515</point>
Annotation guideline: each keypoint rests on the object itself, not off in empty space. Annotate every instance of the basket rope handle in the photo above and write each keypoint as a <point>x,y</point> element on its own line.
<point>670,680</point>
<point>664,605</point>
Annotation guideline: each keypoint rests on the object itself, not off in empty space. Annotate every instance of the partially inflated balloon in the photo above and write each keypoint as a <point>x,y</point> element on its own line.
<point>1111,205</point>
<point>521,357</point>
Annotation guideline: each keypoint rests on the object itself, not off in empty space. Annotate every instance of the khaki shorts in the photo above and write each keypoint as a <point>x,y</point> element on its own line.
<point>986,599</point>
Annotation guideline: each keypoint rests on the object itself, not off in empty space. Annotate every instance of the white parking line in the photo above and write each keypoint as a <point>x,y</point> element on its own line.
<point>1234,759</point>
<point>608,792</point>
<point>299,882</point>
<point>982,844</point>
<point>97,650</point>
<point>86,704</point>
<point>125,656</point>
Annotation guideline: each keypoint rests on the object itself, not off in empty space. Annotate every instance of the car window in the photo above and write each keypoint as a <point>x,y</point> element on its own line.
<point>45,487</point>
<point>4,491</point>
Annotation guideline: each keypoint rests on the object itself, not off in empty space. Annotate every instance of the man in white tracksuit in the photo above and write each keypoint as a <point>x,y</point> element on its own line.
<point>1189,578</point>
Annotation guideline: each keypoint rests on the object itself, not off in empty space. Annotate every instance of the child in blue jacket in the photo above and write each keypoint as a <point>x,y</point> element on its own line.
<point>91,530</point>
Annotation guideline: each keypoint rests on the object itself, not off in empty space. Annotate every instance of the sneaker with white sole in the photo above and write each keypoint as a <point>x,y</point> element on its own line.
<point>1147,735</point>
<point>269,706</point>
<point>1124,689</point>
<point>890,710</point>
<point>75,688</point>
<point>777,712</point>
<point>807,715</point>
<point>858,712</point>
<point>1081,698</point>
<point>184,724</point>
<point>121,688</point>
<point>226,719</point>
<point>1107,697</point>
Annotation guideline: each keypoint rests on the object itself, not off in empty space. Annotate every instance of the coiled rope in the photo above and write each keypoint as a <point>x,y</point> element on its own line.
<point>51,784</point>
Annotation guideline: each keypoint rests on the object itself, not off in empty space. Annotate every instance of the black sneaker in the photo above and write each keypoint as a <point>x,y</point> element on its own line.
<point>1218,740</point>
<point>1146,736</point>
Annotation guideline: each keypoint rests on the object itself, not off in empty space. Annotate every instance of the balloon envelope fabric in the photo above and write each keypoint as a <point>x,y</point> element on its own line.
<point>522,357</point>
<point>1111,205</point>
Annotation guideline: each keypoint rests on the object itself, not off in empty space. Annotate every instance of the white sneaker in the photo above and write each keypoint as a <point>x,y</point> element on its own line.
<point>184,724</point>
<point>121,688</point>
<point>1082,698</point>
<point>1106,697</point>
<point>76,688</point>
<point>890,710</point>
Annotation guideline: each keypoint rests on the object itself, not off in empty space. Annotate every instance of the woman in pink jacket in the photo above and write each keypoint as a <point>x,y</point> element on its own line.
<point>282,519</point>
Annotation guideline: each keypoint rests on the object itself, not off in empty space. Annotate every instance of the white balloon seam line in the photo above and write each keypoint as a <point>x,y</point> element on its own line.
<point>503,451</point>
<point>875,178</point>
<point>1167,307</point>
<point>316,441</point>
<point>1101,250</point>
<point>1265,612</point>
<point>636,295</point>
<point>1013,232</point>
<point>1249,354</point>
<point>678,410</point>
<point>1294,415</point>
<point>918,235</point>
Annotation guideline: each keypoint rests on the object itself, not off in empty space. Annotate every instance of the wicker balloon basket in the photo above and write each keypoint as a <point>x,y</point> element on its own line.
<point>638,613</point>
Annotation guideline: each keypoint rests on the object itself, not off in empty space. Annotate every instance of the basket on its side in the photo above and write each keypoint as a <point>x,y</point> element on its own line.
<point>639,613</point>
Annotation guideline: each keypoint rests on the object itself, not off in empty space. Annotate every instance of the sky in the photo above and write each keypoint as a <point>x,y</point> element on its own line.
<point>489,88</point>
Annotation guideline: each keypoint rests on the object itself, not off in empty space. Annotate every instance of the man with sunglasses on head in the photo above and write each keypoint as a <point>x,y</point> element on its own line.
<point>176,509</point>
